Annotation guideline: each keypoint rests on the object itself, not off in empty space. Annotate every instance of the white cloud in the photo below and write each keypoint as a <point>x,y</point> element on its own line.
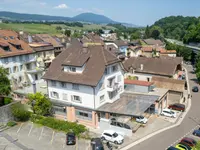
<point>61,6</point>
<point>43,3</point>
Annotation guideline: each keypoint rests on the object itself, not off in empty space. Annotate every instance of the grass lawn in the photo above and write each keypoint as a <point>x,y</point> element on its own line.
<point>31,28</point>
<point>50,29</point>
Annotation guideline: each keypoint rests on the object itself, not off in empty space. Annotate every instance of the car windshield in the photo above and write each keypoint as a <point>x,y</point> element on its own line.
<point>171,112</point>
<point>70,137</point>
<point>141,117</point>
<point>115,135</point>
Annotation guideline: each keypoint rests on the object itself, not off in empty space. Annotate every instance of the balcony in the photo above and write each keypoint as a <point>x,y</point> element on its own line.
<point>35,70</point>
<point>112,87</point>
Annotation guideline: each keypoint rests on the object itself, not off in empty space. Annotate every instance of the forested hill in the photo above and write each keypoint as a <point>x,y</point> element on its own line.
<point>186,29</point>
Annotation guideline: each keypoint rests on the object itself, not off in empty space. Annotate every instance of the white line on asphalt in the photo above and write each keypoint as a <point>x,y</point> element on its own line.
<point>177,141</point>
<point>30,129</point>
<point>52,137</point>
<point>64,143</point>
<point>41,133</point>
<point>76,143</point>
<point>20,128</point>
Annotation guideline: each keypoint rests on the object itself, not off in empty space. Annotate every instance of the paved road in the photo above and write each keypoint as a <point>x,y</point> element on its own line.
<point>166,138</point>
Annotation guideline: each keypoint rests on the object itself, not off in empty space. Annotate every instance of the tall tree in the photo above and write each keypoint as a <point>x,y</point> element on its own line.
<point>41,105</point>
<point>5,87</point>
<point>68,33</point>
<point>147,32</point>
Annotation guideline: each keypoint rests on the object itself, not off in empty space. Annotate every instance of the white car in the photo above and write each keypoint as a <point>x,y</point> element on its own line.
<point>112,136</point>
<point>168,113</point>
<point>141,119</point>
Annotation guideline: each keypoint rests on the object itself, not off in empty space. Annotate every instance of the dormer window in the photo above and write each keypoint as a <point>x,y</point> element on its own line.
<point>72,69</point>
<point>12,37</point>
<point>5,38</point>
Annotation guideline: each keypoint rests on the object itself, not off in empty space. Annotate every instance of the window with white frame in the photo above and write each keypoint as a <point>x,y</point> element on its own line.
<point>86,115</point>
<point>114,68</point>
<point>75,86</point>
<point>119,78</point>
<point>27,57</point>
<point>21,58</point>
<point>63,84</point>
<point>65,96</point>
<point>54,94</point>
<point>106,71</point>
<point>102,99</point>
<point>53,83</point>
<point>76,99</point>
<point>72,69</point>
<point>5,60</point>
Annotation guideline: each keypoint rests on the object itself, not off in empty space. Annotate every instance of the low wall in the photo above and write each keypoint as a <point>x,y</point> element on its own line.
<point>6,114</point>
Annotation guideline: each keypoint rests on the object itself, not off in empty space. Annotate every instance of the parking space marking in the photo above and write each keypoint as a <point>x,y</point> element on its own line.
<point>77,144</point>
<point>183,136</point>
<point>63,143</point>
<point>52,137</point>
<point>30,129</point>
<point>20,127</point>
<point>41,133</point>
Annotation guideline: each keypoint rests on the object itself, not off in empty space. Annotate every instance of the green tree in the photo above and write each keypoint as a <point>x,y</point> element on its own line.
<point>41,105</point>
<point>147,32</point>
<point>58,28</point>
<point>20,112</point>
<point>135,35</point>
<point>68,33</point>
<point>5,87</point>
<point>155,34</point>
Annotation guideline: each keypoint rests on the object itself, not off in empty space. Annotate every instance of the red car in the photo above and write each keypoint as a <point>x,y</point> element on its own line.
<point>177,106</point>
<point>189,141</point>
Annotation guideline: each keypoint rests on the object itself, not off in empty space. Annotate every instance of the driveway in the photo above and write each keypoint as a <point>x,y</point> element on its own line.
<point>163,140</point>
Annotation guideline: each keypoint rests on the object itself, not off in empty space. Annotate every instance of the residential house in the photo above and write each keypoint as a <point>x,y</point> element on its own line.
<point>81,79</point>
<point>122,45</point>
<point>92,39</point>
<point>143,68</point>
<point>153,42</point>
<point>176,88</point>
<point>134,51</point>
<point>18,57</point>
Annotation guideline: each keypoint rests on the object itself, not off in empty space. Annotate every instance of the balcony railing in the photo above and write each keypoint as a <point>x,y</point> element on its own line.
<point>112,87</point>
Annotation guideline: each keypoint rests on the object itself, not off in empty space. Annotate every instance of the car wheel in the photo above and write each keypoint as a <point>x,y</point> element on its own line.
<point>115,142</point>
<point>142,122</point>
<point>103,138</point>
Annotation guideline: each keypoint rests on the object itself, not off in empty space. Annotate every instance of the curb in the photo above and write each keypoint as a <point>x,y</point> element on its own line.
<point>162,130</point>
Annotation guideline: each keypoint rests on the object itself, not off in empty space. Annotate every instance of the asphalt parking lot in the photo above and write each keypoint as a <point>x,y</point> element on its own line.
<point>36,137</point>
<point>40,138</point>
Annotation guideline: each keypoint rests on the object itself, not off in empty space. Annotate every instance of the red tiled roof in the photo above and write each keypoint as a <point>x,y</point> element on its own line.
<point>137,82</point>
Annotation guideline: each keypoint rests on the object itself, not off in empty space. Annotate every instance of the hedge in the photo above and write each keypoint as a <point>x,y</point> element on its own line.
<point>19,112</point>
<point>59,125</point>
<point>11,123</point>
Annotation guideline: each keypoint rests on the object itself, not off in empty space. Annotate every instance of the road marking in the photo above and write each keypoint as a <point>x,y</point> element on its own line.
<point>64,143</point>
<point>41,133</point>
<point>30,129</point>
<point>177,141</point>
<point>76,143</point>
<point>52,137</point>
<point>20,127</point>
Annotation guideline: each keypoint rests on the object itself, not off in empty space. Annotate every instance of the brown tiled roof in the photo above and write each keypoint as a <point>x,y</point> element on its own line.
<point>94,66</point>
<point>161,66</point>
<point>164,51</point>
<point>147,48</point>
<point>112,49</point>
<point>49,39</point>
<point>153,42</point>
<point>120,43</point>
<point>168,83</point>
<point>11,38</point>
<point>137,82</point>
<point>92,38</point>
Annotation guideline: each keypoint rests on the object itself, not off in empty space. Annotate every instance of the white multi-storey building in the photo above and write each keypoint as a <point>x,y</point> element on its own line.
<point>81,79</point>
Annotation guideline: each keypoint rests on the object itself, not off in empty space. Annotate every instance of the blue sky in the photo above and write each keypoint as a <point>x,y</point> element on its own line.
<point>139,12</point>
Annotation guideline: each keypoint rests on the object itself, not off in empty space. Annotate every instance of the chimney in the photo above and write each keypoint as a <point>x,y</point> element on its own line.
<point>21,32</point>
<point>30,39</point>
<point>141,66</point>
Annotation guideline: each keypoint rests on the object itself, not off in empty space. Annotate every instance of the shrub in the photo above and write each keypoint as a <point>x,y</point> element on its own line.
<point>7,100</point>
<point>11,123</point>
<point>58,124</point>
<point>19,112</point>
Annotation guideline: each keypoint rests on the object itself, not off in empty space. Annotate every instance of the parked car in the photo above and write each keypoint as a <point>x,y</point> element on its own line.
<point>182,146</point>
<point>177,106</point>
<point>96,144</point>
<point>196,133</point>
<point>70,138</point>
<point>183,77</point>
<point>172,148</point>
<point>112,136</point>
<point>141,119</point>
<point>168,113</point>
<point>189,141</point>
<point>195,89</point>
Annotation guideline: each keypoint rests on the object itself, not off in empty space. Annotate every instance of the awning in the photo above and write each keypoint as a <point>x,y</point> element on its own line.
<point>129,104</point>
